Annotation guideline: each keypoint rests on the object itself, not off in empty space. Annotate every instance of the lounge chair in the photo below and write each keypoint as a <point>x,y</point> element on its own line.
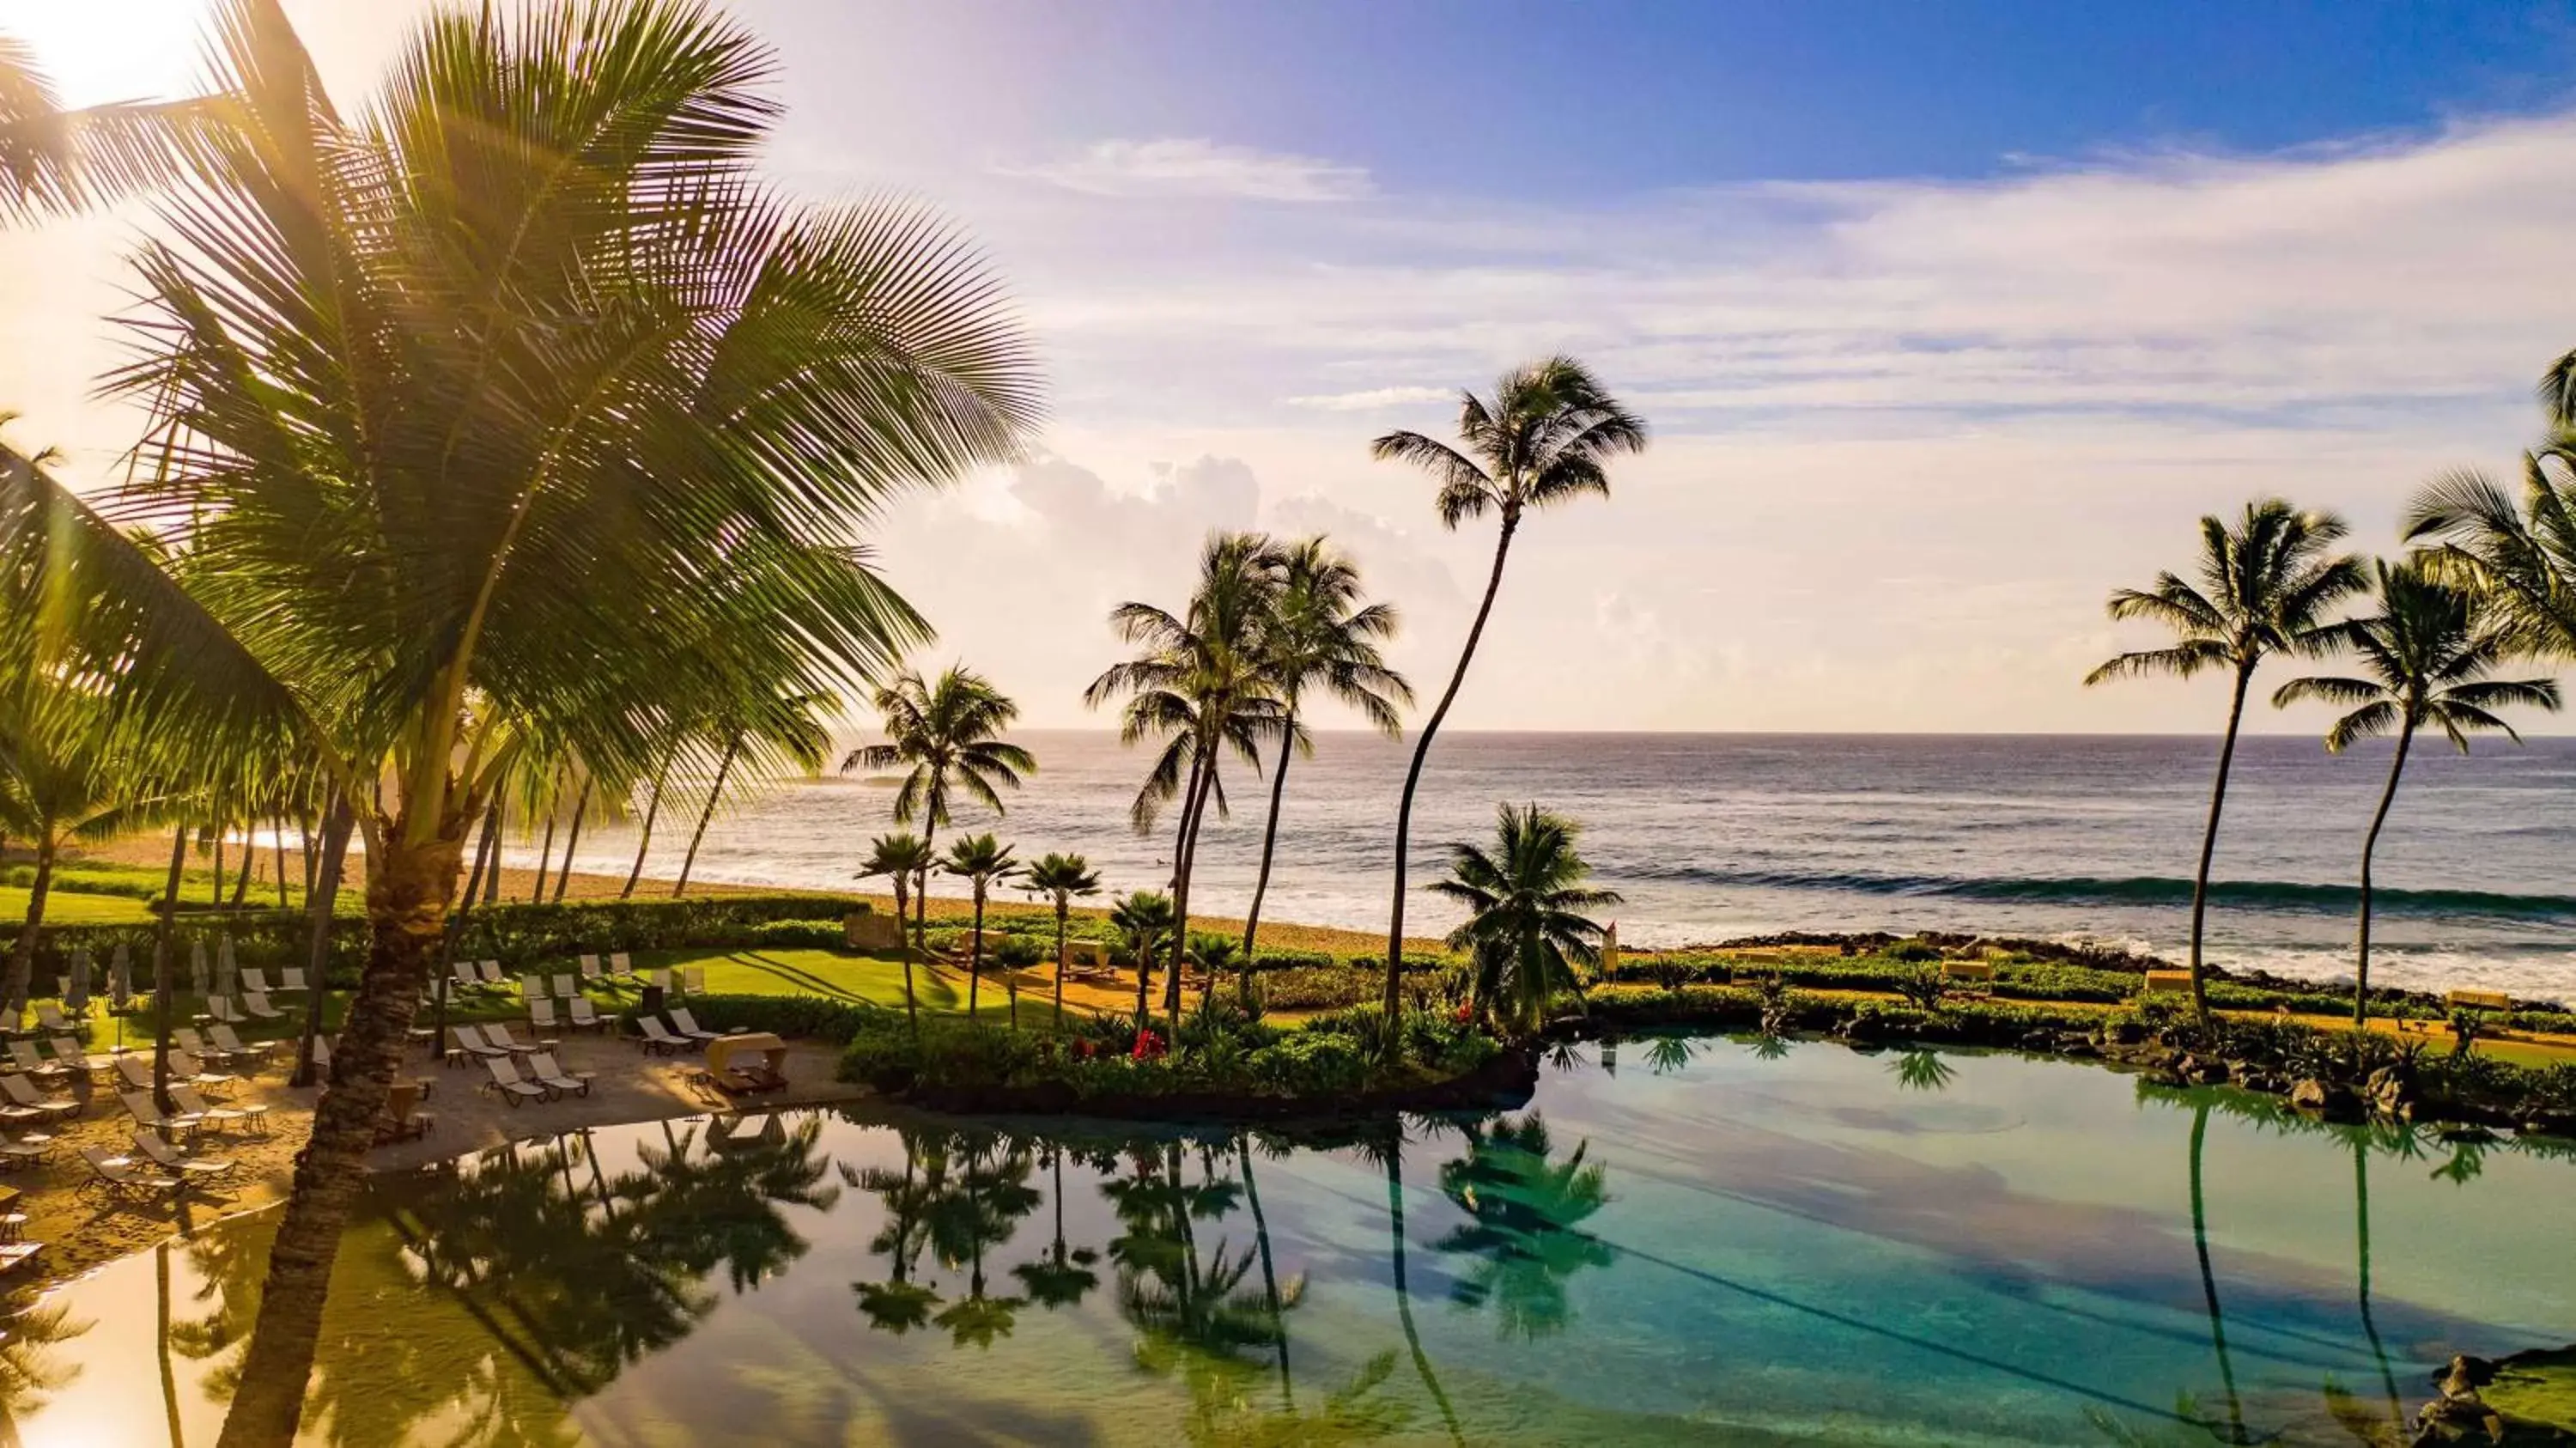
<point>50,1017</point>
<point>469,1039</point>
<point>687,1025</point>
<point>254,978</point>
<point>24,1053</point>
<point>499,1035</point>
<point>256,1002</point>
<point>541,1016</point>
<point>491,972</point>
<point>585,1016</point>
<point>657,1039</point>
<point>204,1168</point>
<point>232,1045</point>
<point>32,1149</point>
<point>22,1092</point>
<point>505,1079</point>
<point>197,1046</point>
<point>590,968</point>
<point>14,1116</point>
<point>224,1010</point>
<point>696,978</point>
<point>220,1118</point>
<point>619,963</point>
<point>188,1068</point>
<point>551,1076</point>
<point>291,977</point>
<point>74,1056</point>
<point>118,1176</point>
<point>466,979</point>
<point>403,1119</point>
<point>565,985</point>
<point>138,1104</point>
<point>532,988</point>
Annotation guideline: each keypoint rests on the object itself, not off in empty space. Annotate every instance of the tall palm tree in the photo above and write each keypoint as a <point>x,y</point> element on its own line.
<point>2425,656</point>
<point>2520,554</point>
<point>2266,584</point>
<point>950,736</point>
<point>1142,920</point>
<point>900,857</point>
<point>1525,929</point>
<point>1061,878</point>
<point>59,783</point>
<point>980,860</point>
<point>781,732</point>
<point>1198,683</point>
<point>1322,636</point>
<point>1545,437</point>
<point>420,386</point>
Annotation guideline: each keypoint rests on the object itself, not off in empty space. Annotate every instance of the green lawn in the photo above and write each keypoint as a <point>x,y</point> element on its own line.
<point>72,907</point>
<point>834,973</point>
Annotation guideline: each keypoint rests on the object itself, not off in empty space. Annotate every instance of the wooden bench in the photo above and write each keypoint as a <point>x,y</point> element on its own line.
<point>2168,982</point>
<point>1968,969</point>
<point>2478,1000</point>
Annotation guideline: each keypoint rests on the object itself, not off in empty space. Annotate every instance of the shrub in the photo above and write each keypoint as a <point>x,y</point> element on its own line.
<point>1913,952</point>
<point>1318,988</point>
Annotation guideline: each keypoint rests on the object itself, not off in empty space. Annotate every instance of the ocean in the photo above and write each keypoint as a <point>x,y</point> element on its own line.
<point>1716,836</point>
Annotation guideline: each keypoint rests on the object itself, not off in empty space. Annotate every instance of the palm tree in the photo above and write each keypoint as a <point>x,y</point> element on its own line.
<point>1545,437</point>
<point>899,857</point>
<point>981,860</point>
<point>59,783</point>
<point>1321,636</point>
<point>2425,656</point>
<point>1198,683</point>
<point>2265,586</point>
<point>2209,1277</point>
<point>950,734</point>
<point>1524,1223</point>
<point>1061,877</point>
<point>420,388</point>
<point>2521,556</point>
<point>55,160</point>
<point>782,732</point>
<point>1142,920</point>
<point>1216,954</point>
<point>1525,928</point>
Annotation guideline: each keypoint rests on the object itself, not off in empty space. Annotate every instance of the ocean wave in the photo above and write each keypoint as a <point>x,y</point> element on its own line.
<point>2279,895</point>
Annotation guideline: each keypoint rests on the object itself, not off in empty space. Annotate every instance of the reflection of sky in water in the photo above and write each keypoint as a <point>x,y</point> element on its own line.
<point>1890,1248</point>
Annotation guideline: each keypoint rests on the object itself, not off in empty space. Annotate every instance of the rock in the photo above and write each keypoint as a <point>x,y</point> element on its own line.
<point>2540,1121</point>
<point>2311,1094</point>
<point>2039,1041</point>
<point>2124,1033</point>
<point>2201,1073</point>
<point>2077,1047</point>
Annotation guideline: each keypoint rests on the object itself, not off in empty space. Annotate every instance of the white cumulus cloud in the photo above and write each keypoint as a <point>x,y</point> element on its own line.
<point>1191,167</point>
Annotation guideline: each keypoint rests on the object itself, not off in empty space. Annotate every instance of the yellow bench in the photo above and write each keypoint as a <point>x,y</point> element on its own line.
<point>2168,981</point>
<point>2479,1000</point>
<point>1968,970</point>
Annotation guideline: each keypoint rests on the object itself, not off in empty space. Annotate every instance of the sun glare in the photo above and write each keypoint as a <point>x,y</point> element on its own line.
<point>110,50</point>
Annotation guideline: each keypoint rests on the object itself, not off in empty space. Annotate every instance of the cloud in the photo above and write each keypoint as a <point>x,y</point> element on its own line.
<point>1199,168</point>
<point>1374,399</point>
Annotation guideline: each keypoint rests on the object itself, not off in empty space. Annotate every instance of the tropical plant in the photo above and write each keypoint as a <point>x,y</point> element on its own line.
<point>901,857</point>
<point>1546,437</point>
<point>420,385</point>
<point>2425,658</point>
<point>59,783</point>
<point>2266,584</point>
<point>2521,555</point>
<point>56,160</point>
<point>979,860</point>
<point>780,731</point>
<point>1197,683</point>
<point>948,737</point>
<point>1016,953</point>
<point>1321,636</point>
<point>1525,930</point>
<point>1061,877</point>
<point>1524,1223</point>
<point>1142,920</point>
<point>1215,954</point>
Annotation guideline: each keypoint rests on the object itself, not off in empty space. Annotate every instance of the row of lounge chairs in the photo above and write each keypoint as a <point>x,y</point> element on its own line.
<point>672,1033</point>
<point>545,1081</point>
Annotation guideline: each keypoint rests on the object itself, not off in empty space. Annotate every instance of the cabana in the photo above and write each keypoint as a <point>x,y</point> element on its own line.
<point>748,1062</point>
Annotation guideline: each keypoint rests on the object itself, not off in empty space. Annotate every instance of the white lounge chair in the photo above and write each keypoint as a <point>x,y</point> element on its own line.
<point>196,1045</point>
<point>33,1148</point>
<point>254,978</point>
<point>204,1168</point>
<point>138,1104</point>
<point>188,1068</point>
<point>224,1010</point>
<point>231,1043</point>
<point>565,985</point>
<point>585,1016</point>
<point>256,1002</point>
<point>491,972</point>
<point>620,963</point>
<point>220,1118</point>
<point>657,1039</point>
<point>687,1025</point>
<point>532,987</point>
<point>24,1054</point>
<point>118,1176</point>
<point>50,1017</point>
<point>551,1076</point>
<point>469,1039</point>
<point>499,1035</point>
<point>541,1016</point>
<point>696,978</point>
<point>466,979</point>
<point>590,968</point>
<point>291,977</point>
<point>23,1093</point>
<point>505,1079</point>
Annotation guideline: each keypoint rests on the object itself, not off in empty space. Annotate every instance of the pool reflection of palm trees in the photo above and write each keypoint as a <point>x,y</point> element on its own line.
<point>1922,1070</point>
<point>1524,1228</point>
<point>987,1194</point>
<point>1060,1278</point>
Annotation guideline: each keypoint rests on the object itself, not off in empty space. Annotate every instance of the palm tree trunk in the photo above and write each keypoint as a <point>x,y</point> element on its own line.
<point>1269,847</point>
<point>249,865</point>
<point>715,792</point>
<point>2370,846</point>
<point>163,987</point>
<point>2209,840</point>
<point>22,955</point>
<point>216,896</point>
<point>277,825</point>
<point>546,853</point>
<point>1403,1294</point>
<point>410,883</point>
<point>2361,1248</point>
<point>1063,910</point>
<point>1269,1272</point>
<point>161,1336</point>
<point>2209,1279</point>
<point>320,902</point>
<point>644,841</point>
<point>1187,859</point>
<point>500,847</point>
<point>1394,997</point>
<point>911,1010</point>
<point>921,890</point>
<point>975,953</point>
<point>572,838</point>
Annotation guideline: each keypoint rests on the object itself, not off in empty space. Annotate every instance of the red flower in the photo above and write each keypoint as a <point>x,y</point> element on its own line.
<point>1465,1013</point>
<point>1085,1049</point>
<point>1148,1046</point>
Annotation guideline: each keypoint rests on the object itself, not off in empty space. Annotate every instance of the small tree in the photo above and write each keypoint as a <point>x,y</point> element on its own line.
<point>1014,954</point>
<point>900,857</point>
<point>1061,877</point>
<point>980,860</point>
<point>1142,920</point>
<point>1524,928</point>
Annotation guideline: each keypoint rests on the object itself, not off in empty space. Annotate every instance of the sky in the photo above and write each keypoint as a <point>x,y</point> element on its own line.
<point>1948,318</point>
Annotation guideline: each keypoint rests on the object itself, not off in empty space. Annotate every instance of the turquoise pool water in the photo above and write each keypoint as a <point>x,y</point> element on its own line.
<point>1679,1242</point>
